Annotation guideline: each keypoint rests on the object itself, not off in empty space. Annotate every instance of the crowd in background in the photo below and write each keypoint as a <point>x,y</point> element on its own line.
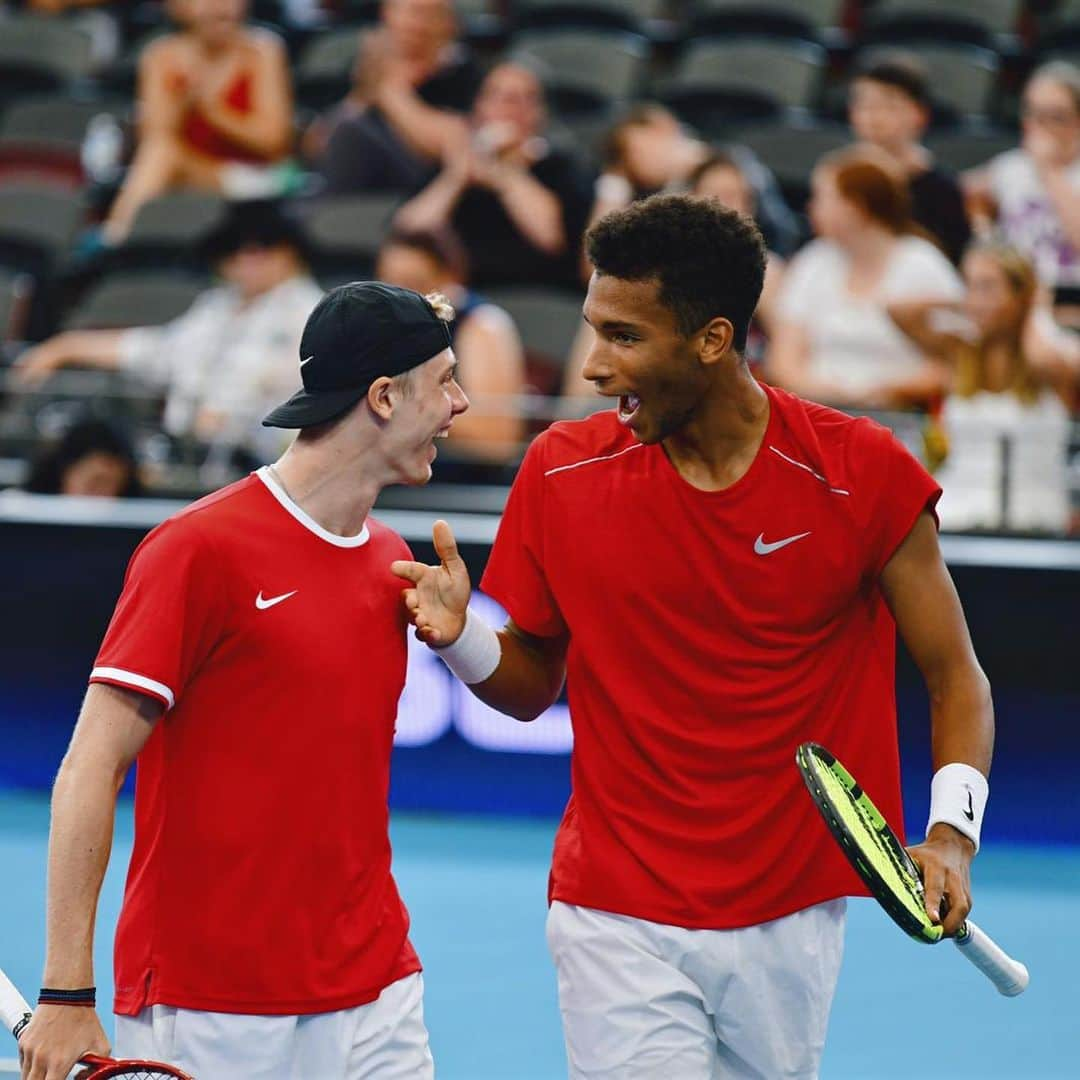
<point>948,301</point>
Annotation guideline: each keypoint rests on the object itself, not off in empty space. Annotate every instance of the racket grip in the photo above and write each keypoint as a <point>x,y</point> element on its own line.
<point>14,1010</point>
<point>1007,974</point>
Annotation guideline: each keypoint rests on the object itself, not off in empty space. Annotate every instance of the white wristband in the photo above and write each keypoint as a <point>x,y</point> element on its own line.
<point>958,795</point>
<point>476,653</point>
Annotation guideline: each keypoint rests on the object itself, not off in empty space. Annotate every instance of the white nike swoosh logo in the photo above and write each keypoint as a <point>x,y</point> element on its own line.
<point>270,601</point>
<point>767,549</point>
<point>308,360</point>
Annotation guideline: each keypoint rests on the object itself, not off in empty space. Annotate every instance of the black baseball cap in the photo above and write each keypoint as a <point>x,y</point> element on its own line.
<point>357,333</point>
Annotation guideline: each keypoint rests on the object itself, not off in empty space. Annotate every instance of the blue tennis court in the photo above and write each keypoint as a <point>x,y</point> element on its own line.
<point>476,890</point>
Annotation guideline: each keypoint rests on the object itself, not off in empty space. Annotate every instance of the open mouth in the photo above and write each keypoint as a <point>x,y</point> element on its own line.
<point>628,407</point>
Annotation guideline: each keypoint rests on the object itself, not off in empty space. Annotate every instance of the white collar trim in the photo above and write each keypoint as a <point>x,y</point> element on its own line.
<point>307,520</point>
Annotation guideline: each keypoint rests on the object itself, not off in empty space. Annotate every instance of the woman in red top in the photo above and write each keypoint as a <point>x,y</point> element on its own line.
<point>214,110</point>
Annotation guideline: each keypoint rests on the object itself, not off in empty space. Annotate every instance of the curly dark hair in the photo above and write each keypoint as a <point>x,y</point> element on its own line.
<point>708,260</point>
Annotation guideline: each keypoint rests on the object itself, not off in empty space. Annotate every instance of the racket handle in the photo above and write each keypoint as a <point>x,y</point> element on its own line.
<point>14,1011</point>
<point>1007,974</point>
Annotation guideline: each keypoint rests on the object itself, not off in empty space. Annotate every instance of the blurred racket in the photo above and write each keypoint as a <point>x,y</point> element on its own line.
<point>879,858</point>
<point>15,1014</point>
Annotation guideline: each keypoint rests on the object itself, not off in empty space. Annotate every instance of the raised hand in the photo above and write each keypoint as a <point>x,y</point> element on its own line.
<point>439,595</point>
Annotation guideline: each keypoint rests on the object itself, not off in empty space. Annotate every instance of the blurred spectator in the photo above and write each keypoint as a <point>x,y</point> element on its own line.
<point>1006,420</point>
<point>232,355</point>
<point>491,359</point>
<point>392,128</point>
<point>721,176</point>
<point>889,108</point>
<point>518,204</point>
<point>214,111</point>
<point>1034,191</point>
<point>92,457</point>
<point>833,340</point>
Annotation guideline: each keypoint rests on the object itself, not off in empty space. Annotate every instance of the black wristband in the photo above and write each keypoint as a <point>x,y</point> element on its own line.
<point>49,996</point>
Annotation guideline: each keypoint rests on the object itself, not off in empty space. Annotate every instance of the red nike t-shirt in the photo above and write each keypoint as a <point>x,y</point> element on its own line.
<point>710,634</point>
<point>260,878</point>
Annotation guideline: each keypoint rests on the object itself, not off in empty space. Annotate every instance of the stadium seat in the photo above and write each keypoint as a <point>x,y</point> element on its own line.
<point>56,120</point>
<point>134,299</point>
<point>547,320</point>
<point>960,150</point>
<point>323,74</point>
<point>719,81</point>
<point>345,233</point>
<point>584,69</point>
<point>627,15</point>
<point>962,78</point>
<point>38,53</point>
<point>809,19</point>
<point>38,223</point>
<point>791,153</point>
<point>973,21</point>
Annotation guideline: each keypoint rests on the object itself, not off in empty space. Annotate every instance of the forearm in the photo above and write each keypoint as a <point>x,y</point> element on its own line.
<point>1066,201</point>
<point>266,135</point>
<point>533,209</point>
<point>919,388</point>
<point>80,840</point>
<point>962,718</point>
<point>431,209</point>
<point>91,348</point>
<point>423,128</point>
<point>527,681</point>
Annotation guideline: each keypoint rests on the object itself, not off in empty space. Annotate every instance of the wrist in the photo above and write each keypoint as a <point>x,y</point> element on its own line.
<point>475,653</point>
<point>958,795</point>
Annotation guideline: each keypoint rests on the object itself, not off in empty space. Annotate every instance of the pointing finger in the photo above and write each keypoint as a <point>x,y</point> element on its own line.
<point>410,571</point>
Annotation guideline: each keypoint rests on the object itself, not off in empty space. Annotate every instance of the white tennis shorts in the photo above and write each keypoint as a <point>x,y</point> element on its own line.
<point>645,1001</point>
<point>384,1040</point>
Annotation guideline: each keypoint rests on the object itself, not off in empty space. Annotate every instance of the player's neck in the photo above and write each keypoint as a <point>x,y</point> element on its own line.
<point>717,447</point>
<point>329,486</point>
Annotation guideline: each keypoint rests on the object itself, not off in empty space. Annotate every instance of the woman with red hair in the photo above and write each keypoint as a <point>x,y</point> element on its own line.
<point>833,340</point>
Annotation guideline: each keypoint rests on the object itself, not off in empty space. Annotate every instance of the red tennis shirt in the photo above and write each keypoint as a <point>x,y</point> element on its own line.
<point>260,878</point>
<point>710,634</point>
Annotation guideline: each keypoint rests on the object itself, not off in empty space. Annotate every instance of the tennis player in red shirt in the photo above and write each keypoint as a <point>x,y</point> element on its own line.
<point>718,569</point>
<point>254,664</point>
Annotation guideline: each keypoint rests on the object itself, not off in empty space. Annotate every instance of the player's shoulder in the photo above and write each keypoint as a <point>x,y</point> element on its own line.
<point>210,518</point>
<point>841,448</point>
<point>569,443</point>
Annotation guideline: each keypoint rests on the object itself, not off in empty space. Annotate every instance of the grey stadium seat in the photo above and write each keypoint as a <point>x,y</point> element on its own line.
<point>178,218</point>
<point>343,224</point>
<point>547,320</point>
<point>785,71</point>
<point>595,66</point>
<point>52,46</point>
<point>42,217</point>
<point>991,16</point>
<point>134,299</point>
<point>56,120</point>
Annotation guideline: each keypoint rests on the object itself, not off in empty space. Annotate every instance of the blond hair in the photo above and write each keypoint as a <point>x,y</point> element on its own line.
<point>971,360</point>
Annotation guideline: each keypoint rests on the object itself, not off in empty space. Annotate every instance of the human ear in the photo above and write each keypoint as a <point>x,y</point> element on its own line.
<point>380,397</point>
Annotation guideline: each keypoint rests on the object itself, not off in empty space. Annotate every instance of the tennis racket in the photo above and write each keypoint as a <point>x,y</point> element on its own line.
<point>879,858</point>
<point>15,1014</point>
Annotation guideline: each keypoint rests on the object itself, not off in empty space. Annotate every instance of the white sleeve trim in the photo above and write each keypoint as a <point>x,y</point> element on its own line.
<point>138,682</point>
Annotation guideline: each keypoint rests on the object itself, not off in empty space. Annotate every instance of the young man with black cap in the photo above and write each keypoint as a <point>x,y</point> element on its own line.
<point>254,664</point>
<point>224,362</point>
